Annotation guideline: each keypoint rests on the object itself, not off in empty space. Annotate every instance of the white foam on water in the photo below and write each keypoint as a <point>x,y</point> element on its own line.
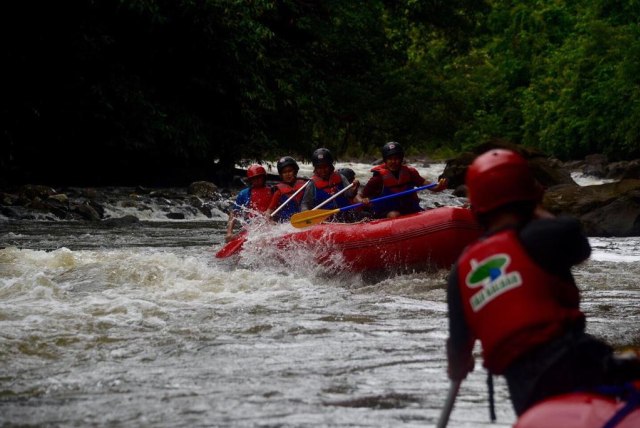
<point>615,249</point>
<point>157,211</point>
<point>143,332</point>
<point>589,180</point>
<point>363,171</point>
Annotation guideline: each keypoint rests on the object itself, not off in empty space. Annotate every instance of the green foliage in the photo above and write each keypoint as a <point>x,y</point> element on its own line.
<point>180,90</point>
<point>560,76</point>
<point>585,98</point>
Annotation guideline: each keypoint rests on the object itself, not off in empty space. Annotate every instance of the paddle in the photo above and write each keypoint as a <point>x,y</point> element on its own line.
<point>290,198</point>
<point>311,217</point>
<point>333,197</point>
<point>448,405</point>
<point>492,403</point>
<point>233,246</point>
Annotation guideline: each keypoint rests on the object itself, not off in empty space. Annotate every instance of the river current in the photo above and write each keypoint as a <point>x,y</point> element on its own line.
<point>141,326</point>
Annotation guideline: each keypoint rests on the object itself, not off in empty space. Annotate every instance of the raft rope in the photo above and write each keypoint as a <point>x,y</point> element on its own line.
<point>630,392</point>
<point>492,402</point>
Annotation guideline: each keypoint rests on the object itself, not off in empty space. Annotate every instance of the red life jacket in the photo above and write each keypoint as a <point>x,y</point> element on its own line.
<point>327,188</point>
<point>260,199</point>
<point>330,185</point>
<point>510,303</point>
<point>287,189</point>
<point>391,184</point>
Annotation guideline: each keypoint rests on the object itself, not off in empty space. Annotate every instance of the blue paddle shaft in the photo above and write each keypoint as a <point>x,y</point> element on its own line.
<point>395,195</point>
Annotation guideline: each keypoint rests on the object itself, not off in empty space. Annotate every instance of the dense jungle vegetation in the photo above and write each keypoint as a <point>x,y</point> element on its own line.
<point>168,91</point>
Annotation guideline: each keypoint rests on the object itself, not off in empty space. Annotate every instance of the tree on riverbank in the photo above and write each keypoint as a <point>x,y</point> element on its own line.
<point>159,92</point>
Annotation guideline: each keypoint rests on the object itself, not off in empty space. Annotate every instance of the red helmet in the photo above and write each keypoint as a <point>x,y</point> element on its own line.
<point>499,177</point>
<point>256,170</point>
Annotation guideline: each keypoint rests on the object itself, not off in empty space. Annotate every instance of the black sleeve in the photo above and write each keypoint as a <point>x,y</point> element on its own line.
<point>459,333</point>
<point>556,244</point>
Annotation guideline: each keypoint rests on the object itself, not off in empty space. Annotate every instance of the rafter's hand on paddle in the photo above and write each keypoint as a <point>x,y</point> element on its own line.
<point>364,201</point>
<point>442,185</point>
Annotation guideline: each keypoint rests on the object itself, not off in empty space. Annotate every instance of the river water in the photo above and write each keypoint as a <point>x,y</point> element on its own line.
<point>140,326</point>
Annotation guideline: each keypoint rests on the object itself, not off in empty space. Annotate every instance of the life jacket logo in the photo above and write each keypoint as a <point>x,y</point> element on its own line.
<point>491,276</point>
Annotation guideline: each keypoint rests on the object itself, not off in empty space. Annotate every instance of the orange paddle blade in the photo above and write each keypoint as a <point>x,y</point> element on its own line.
<point>311,217</point>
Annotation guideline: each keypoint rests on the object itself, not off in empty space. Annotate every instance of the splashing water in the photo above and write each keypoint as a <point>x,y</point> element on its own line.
<point>142,326</point>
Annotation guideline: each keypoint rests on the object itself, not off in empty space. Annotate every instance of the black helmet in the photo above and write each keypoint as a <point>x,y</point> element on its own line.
<point>321,156</point>
<point>287,161</point>
<point>348,173</point>
<point>392,148</point>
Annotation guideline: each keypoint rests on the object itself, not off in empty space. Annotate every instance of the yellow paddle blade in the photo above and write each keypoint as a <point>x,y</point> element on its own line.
<point>309,218</point>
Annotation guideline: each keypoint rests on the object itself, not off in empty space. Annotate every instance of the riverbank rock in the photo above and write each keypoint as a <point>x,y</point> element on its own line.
<point>611,209</point>
<point>597,166</point>
<point>203,189</point>
<point>38,202</point>
<point>548,171</point>
<point>624,169</point>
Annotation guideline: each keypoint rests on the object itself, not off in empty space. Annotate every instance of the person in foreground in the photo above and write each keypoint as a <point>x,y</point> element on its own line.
<point>326,182</point>
<point>251,200</point>
<point>514,291</point>
<point>288,169</point>
<point>394,177</point>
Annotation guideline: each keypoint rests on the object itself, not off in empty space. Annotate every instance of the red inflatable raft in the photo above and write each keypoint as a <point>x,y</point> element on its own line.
<point>429,239</point>
<point>584,410</point>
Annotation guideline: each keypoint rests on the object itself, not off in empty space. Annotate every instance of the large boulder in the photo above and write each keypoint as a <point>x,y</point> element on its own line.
<point>31,191</point>
<point>456,168</point>
<point>611,209</point>
<point>548,171</point>
<point>203,189</point>
<point>618,218</point>
<point>595,165</point>
<point>624,169</point>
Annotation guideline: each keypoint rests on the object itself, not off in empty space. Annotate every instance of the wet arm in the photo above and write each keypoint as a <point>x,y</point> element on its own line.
<point>241,201</point>
<point>461,340</point>
<point>556,243</point>
<point>373,188</point>
<point>230,224</point>
<point>351,193</point>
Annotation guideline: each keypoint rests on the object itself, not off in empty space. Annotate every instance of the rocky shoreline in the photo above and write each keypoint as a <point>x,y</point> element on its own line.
<point>608,210</point>
<point>31,202</point>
